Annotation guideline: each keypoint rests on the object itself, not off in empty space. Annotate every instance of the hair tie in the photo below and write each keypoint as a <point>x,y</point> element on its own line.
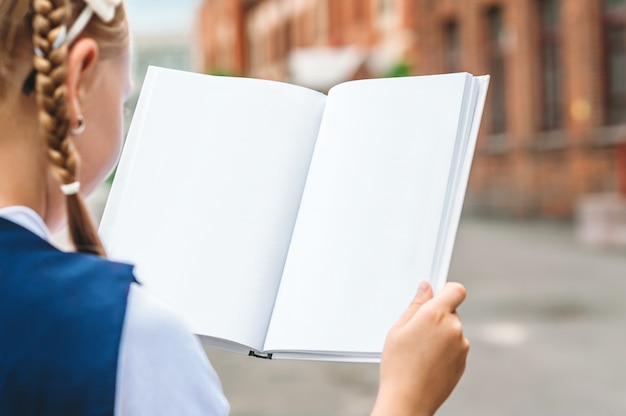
<point>80,23</point>
<point>58,42</point>
<point>61,38</point>
<point>70,188</point>
<point>104,9</point>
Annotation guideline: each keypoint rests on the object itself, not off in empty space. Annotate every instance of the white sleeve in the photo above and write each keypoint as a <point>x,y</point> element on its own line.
<point>162,368</point>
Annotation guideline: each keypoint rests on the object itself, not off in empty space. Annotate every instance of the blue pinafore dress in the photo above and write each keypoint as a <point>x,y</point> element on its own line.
<point>61,319</point>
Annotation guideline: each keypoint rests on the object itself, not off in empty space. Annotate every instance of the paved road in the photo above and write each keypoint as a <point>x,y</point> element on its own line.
<point>546,318</point>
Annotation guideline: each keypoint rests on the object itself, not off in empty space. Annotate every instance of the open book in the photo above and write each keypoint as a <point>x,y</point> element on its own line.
<point>278,220</point>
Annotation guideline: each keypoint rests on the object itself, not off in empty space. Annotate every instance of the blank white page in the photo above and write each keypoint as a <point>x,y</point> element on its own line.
<point>207,192</point>
<point>371,211</point>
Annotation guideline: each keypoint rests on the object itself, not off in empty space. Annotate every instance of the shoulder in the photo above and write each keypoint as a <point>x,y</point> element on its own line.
<point>162,367</point>
<point>149,320</point>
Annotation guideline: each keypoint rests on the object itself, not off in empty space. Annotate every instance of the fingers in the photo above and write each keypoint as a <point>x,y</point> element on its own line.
<point>451,296</point>
<point>424,294</point>
<point>425,353</point>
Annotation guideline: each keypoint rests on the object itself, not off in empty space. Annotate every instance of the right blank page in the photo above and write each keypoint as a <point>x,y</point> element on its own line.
<point>370,216</point>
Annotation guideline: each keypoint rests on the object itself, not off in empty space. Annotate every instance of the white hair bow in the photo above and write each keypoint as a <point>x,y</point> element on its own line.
<point>104,9</point>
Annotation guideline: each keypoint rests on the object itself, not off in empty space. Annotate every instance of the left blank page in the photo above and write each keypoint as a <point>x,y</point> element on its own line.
<point>207,192</point>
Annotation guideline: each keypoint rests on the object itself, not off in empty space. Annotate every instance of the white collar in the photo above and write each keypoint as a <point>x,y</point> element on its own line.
<point>27,218</point>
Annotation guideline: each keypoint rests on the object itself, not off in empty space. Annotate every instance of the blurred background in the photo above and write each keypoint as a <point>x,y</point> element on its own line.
<point>542,241</point>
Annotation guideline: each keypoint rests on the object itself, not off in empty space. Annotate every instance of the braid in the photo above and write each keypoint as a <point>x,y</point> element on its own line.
<point>50,62</point>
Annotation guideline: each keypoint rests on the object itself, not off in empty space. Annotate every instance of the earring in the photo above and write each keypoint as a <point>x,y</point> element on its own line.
<point>80,128</point>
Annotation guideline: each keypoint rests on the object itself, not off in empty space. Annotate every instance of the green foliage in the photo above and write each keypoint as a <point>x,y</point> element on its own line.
<point>221,73</point>
<point>109,180</point>
<point>400,69</point>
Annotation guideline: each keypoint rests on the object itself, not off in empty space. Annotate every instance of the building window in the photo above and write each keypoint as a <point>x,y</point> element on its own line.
<point>495,49</point>
<point>451,47</point>
<point>385,6</point>
<point>334,22</point>
<point>552,106</point>
<point>358,13</point>
<point>274,40</point>
<point>288,34</point>
<point>615,64</point>
<point>254,50</point>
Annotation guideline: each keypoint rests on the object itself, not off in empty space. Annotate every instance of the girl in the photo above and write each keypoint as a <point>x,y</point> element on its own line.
<point>78,335</point>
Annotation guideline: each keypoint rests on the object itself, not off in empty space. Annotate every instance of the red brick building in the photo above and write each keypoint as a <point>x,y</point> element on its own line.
<point>555,121</point>
<point>257,37</point>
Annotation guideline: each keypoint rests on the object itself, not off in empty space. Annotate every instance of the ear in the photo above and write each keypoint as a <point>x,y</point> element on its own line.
<point>82,58</point>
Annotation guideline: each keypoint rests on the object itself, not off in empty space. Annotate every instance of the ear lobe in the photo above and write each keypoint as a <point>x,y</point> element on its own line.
<point>82,58</point>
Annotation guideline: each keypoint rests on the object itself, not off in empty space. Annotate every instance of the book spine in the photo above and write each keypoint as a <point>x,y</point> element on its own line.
<point>259,355</point>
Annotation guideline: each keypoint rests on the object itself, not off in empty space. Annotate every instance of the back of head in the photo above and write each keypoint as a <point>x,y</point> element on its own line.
<point>35,36</point>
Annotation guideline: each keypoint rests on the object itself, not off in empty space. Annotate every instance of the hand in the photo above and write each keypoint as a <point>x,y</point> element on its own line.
<point>424,354</point>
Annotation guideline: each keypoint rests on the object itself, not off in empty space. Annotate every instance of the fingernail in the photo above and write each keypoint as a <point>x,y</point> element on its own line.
<point>423,288</point>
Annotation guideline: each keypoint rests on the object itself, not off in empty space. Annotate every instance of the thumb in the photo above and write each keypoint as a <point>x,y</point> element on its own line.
<point>424,294</point>
<point>452,295</point>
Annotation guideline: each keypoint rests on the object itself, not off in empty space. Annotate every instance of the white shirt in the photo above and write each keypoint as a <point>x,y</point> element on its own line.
<point>162,369</point>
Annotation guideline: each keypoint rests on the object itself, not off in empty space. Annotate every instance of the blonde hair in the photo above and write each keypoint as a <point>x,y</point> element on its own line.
<point>30,24</point>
